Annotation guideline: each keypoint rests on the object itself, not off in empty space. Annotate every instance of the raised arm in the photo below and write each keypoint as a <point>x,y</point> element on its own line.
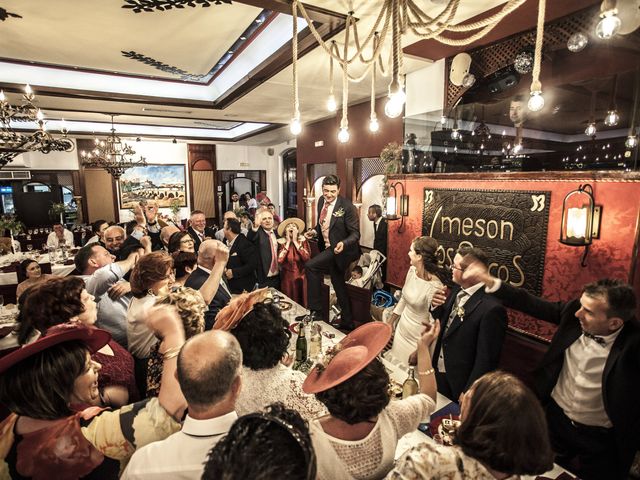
<point>426,373</point>
<point>210,286</point>
<point>165,322</point>
<point>516,298</point>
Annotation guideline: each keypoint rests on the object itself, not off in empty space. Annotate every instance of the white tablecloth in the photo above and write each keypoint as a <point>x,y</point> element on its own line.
<point>11,278</point>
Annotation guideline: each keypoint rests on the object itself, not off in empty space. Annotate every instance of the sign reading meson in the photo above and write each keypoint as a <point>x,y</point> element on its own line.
<point>510,226</point>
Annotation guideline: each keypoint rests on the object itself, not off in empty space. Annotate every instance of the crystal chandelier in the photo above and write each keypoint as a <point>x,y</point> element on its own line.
<point>13,143</point>
<point>111,154</point>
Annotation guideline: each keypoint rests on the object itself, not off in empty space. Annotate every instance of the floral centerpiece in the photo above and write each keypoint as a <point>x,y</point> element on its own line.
<point>174,206</point>
<point>391,155</point>
<point>11,223</point>
<point>56,211</point>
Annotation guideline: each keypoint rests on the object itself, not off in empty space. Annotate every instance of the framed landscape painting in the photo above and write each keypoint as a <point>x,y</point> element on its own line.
<point>164,183</point>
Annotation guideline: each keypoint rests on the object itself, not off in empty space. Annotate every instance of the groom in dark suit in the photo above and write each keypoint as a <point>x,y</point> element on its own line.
<point>588,378</point>
<point>472,329</point>
<point>338,234</point>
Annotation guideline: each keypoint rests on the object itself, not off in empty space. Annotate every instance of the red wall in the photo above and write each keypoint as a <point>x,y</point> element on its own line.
<point>615,254</point>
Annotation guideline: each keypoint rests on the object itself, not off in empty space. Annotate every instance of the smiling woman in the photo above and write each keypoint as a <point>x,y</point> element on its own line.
<point>64,300</point>
<point>49,386</point>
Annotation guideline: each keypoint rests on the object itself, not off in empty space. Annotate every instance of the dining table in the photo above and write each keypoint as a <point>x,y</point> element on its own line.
<point>294,313</point>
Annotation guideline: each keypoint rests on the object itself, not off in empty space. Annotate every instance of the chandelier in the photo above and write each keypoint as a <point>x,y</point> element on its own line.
<point>395,19</point>
<point>111,154</point>
<point>13,143</point>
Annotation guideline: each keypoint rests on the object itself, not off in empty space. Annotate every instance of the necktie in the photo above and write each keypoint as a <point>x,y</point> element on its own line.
<point>599,340</point>
<point>375,228</point>
<point>274,254</point>
<point>323,214</point>
<point>454,311</point>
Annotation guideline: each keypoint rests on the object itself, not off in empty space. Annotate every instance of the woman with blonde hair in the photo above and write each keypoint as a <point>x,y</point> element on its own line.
<point>191,307</point>
<point>424,278</point>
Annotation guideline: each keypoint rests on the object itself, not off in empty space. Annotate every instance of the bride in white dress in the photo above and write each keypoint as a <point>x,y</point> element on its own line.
<point>414,308</point>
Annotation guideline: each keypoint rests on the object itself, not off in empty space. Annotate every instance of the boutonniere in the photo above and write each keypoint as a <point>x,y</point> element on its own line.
<point>460,313</point>
<point>339,212</point>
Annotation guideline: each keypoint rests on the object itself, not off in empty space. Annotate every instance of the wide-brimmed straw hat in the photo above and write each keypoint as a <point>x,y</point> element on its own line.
<point>354,352</point>
<point>93,338</point>
<point>299,223</point>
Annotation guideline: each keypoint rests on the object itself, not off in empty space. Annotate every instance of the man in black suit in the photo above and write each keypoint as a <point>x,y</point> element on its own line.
<point>243,258</point>
<point>198,228</point>
<point>212,259</point>
<point>588,378</point>
<point>265,238</point>
<point>338,234</point>
<point>472,329</point>
<point>379,233</point>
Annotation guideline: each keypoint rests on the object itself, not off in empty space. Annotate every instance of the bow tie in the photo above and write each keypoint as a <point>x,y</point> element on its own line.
<point>599,340</point>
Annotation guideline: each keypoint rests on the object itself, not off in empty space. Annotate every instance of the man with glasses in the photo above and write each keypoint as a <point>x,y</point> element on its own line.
<point>472,329</point>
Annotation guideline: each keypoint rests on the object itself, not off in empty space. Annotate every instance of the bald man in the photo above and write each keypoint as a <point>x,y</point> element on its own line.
<point>209,367</point>
<point>206,262</point>
<point>165,235</point>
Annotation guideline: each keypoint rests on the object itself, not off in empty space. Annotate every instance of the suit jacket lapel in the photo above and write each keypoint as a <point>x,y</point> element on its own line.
<point>335,209</point>
<point>469,307</point>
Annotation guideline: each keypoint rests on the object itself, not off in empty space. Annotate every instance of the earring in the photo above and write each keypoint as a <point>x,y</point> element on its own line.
<point>150,292</point>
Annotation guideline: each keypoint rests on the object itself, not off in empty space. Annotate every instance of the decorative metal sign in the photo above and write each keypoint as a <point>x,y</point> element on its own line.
<point>509,225</point>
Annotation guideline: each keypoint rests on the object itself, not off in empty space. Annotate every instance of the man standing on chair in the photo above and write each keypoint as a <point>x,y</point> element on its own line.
<point>338,234</point>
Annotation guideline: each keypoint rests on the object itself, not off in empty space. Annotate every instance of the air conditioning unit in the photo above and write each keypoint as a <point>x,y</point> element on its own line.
<point>15,175</point>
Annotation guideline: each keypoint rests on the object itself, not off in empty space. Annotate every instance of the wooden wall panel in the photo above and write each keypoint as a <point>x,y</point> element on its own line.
<point>99,195</point>
<point>203,195</point>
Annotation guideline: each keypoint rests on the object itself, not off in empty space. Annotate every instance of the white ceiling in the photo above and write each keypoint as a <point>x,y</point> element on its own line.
<point>90,34</point>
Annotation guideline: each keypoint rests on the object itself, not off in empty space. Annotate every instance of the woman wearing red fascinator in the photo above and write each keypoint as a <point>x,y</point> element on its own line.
<point>359,436</point>
<point>45,385</point>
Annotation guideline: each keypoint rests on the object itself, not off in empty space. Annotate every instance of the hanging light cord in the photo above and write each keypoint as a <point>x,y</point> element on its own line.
<point>536,86</point>
<point>296,102</point>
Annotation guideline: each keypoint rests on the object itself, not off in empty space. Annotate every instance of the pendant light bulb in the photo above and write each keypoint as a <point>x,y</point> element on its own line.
<point>395,104</point>
<point>612,118</point>
<point>609,25</point>
<point>343,135</point>
<point>295,126</point>
<point>591,130</point>
<point>536,101</point>
<point>374,126</point>
<point>393,109</point>
<point>631,141</point>
<point>332,106</point>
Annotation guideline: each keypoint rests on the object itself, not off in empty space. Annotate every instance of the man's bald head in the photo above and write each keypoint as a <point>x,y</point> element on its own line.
<point>208,365</point>
<point>229,214</point>
<point>207,252</point>
<point>114,237</point>
<point>166,232</point>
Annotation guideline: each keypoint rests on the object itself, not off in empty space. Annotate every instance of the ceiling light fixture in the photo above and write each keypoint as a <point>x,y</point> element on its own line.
<point>632,137</point>
<point>13,143</point>
<point>536,100</point>
<point>577,42</point>
<point>612,118</point>
<point>609,23</point>
<point>393,20</point>
<point>111,154</point>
